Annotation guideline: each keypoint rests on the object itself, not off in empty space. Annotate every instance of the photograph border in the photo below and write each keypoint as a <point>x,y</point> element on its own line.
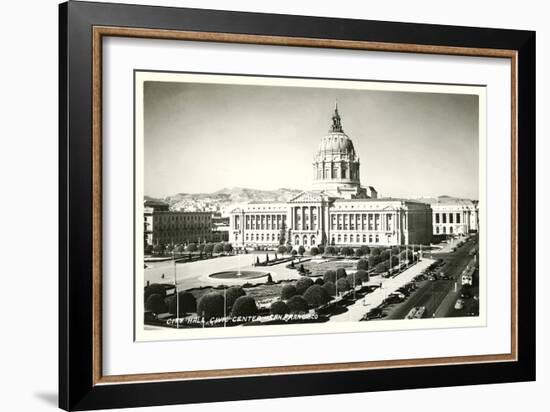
<point>390,86</point>
<point>82,27</point>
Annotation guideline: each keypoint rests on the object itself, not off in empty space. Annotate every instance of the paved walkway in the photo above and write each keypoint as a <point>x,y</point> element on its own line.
<point>196,274</point>
<point>356,311</point>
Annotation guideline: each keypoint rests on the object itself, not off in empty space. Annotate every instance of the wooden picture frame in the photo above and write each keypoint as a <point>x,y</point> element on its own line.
<point>82,385</point>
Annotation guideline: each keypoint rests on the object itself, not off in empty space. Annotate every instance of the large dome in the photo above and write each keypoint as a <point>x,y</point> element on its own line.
<point>336,164</point>
<point>336,145</point>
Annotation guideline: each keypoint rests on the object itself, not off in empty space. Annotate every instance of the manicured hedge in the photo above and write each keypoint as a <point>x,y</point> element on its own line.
<point>155,303</point>
<point>362,275</point>
<point>279,308</point>
<point>330,288</point>
<point>342,285</point>
<point>232,294</point>
<point>362,264</point>
<point>244,306</point>
<point>155,289</point>
<point>297,304</point>
<point>211,306</point>
<point>288,291</point>
<point>303,284</point>
<point>185,301</point>
<point>316,296</point>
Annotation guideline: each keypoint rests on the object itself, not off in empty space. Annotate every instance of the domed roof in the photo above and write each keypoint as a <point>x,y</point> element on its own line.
<point>336,144</point>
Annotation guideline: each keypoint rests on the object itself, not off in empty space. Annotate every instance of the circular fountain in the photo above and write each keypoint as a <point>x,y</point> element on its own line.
<point>239,274</point>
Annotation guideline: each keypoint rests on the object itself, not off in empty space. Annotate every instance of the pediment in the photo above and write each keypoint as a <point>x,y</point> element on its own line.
<point>308,197</point>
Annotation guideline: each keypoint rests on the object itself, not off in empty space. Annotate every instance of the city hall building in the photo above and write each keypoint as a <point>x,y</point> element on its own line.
<point>337,211</point>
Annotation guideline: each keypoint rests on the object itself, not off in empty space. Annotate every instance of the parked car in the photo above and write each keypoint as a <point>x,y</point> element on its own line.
<point>375,313</point>
<point>465,294</point>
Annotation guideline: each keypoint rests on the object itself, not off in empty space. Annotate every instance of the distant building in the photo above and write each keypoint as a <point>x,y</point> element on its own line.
<point>338,211</point>
<point>453,216</point>
<point>164,227</point>
<point>220,228</point>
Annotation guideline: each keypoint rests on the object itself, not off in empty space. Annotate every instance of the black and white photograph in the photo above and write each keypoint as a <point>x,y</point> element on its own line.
<point>284,205</point>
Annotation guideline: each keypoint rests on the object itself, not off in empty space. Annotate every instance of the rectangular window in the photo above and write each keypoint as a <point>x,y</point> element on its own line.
<point>458,218</point>
<point>437,218</point>
<point>450,218</point>
<point>444,217</point>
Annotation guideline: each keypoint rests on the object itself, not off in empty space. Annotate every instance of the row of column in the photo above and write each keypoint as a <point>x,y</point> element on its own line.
<point>306,218</point>
<point>383,222</point>
<point>263,222</point>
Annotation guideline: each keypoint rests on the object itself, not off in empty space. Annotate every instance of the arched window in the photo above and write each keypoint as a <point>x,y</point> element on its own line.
<point>296,240</point>
<point>305,240</point>
<point>312,240</point>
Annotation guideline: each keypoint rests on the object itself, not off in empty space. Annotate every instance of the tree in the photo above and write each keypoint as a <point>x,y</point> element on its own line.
<point>373,260</point>
<point>218,248</point>
<point>353,280</point>
<point>148,249</point>
<point>185,302</point>
<point>319,281</point>
<point>282,239</point>
<point>347,251</point>
<point>395,250</point>
<point>210,306</point>
<point>192,247</point>
<point>359,252</point>
<point>297,304</point>
<point>303,284</point>
<point>279,308</point>
<point>365,249</point>
<point>228,247</point>
<point>362,264</point>
<point>155,303</point>
<point>321,249</point>
<point>158,249</point>
<point>289,248</point>
<point>200,247</point>
<point>330,288</point>
<point>342,285</point>
<point>314,251</point>
<point>179,249</point>
<point>301,250</point>
<point>208,248</point>
<point>394,261</point>
<point>281,249</point>
<point>288,291</point>
<point>375,251</point>
<point>316,296</point>
<point>340,273</point>
<point>244,306</point>
<point>155,288</point>
<point>330,276</point>
<point>384,255</point>
<point>382,267</point>
<point>232,294</point>
<point>294,253</point>
<point>362,275</point>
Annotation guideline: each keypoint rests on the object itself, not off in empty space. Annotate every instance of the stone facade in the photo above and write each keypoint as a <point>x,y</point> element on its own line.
<point>338,211</point>
<point>454,216</point>
<point>164,227</point>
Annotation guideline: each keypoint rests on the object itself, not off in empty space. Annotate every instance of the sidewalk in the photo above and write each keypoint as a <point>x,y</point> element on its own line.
<point>356,311</point>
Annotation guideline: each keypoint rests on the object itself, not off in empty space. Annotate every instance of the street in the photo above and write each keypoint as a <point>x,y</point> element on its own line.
<point>439,296</point>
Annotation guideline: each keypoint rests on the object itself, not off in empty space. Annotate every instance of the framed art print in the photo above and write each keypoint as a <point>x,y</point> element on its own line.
<point>259,205</point>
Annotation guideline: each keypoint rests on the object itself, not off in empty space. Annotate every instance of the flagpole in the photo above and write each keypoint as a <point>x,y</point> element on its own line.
<point>177,296</point>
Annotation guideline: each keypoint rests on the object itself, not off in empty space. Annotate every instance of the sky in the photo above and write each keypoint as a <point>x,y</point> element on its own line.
<point>200,138</point>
